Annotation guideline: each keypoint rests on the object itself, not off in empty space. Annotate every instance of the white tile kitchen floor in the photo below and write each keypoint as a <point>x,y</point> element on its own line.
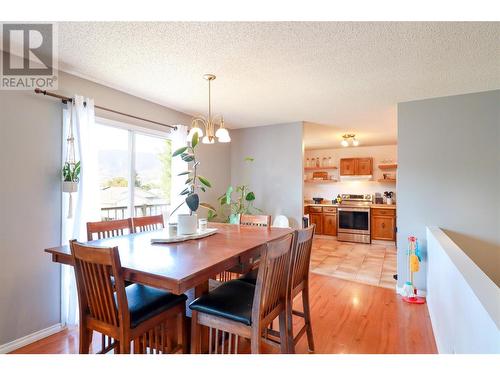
<point>373,264</point>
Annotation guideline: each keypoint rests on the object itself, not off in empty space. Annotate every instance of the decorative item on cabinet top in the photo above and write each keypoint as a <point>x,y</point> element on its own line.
<point>388,178</point>
<point>320,176</point>
<point>314,164</point>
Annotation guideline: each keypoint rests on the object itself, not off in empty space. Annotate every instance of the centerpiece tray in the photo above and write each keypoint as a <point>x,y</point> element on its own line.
<point>165,237</point>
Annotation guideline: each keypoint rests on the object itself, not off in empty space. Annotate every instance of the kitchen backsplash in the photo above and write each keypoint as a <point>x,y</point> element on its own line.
<point>329,190</point>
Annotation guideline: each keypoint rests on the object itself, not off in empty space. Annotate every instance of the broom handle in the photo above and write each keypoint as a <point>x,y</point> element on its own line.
<point>411,272</point>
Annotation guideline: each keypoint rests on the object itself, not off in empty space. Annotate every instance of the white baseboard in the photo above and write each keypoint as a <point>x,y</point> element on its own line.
<point>32,337</point>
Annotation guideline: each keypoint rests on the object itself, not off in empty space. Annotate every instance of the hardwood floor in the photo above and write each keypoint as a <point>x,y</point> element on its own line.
<point>353,318</point>
<point>347,317</point>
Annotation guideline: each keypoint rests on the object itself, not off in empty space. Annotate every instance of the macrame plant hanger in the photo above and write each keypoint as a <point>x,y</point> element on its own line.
<point>70,166</point>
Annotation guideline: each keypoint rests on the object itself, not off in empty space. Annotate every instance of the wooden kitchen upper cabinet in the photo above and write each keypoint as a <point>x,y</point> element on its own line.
<point>356,166</point>
<point>364,166</point>
<point>348,167</point>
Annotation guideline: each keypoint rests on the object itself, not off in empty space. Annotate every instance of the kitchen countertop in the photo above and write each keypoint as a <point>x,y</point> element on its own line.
<point>373,205</point>
<point>321,204</point>
<point>389,206</point>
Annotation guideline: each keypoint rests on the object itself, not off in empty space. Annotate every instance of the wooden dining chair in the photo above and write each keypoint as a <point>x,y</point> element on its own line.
<point>238,309</point>
<point>301,256</point>
<point>147,223</point>
<point>245,220</point>
<point>110,228</point>
<point>151,318</point>
<point>256,220</point>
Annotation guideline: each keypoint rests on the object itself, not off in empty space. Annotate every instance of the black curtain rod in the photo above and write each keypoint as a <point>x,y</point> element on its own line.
<point>66,99</point>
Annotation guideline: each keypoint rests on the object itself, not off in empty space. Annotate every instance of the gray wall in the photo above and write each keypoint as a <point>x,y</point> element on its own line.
<point>449,176</point>
<point>30,201</point>
<point>215,164</point>
<point>276,175</point>
<point>30,218</point>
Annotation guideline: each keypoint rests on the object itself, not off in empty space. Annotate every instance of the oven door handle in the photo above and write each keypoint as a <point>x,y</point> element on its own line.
<point>353,209</point>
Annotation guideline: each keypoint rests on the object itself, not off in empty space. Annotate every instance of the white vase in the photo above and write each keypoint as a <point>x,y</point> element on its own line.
<point>187,224</point>
<point>389,200</point>
<point>69,187</point>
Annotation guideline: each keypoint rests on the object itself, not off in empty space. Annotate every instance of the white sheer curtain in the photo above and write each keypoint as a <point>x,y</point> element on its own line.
<point>85,201</point>
<point>179,139</point>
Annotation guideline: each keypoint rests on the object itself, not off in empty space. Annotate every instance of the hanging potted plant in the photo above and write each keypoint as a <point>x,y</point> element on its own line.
<point>71,176</point>
<point>188,223</point>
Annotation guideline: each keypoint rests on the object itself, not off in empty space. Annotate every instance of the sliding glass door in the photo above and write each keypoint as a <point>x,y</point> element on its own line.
<point>134,171</point>
<point>152,181</point>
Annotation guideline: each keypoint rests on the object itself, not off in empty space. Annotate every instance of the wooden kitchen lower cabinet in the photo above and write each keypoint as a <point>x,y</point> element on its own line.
<point>330,224</point>
<point>383,224</point>
<point>318,220</point>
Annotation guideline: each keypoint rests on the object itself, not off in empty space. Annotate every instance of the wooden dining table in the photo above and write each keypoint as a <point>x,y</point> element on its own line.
<point>183,266</point>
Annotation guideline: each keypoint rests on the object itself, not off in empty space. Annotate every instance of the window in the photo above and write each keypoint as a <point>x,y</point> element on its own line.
<point>134,171</point>
<point>153,157</point>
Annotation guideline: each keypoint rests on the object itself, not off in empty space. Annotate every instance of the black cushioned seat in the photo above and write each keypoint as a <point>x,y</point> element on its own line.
<point>144,302</point>
<point>250,277</point>
<point>232,300</point>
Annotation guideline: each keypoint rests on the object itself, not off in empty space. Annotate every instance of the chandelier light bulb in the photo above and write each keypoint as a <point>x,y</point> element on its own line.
<point>193,131</point>
<point>222,133</point>
<point>206,140</point>
<point>225,139</point>
<point>349,137</point>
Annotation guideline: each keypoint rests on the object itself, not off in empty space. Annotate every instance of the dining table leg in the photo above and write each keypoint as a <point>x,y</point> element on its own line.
<point>199,334</point>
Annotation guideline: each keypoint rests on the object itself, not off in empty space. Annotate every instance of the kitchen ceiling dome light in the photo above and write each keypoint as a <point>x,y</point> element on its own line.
<point>209,122</point>
<point>351,137</point>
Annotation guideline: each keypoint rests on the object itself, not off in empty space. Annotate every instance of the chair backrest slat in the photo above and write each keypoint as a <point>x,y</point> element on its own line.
<point>256,220</point>
<point>94,267</point>
<point>107,229</point>
<point>273,277</point>
<point>147,223</point>
<point>302,255</point>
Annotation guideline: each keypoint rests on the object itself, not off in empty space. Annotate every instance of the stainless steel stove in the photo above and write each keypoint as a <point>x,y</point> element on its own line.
<point>353,224</point>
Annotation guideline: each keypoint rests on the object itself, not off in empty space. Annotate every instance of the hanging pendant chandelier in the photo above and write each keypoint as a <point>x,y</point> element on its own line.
<point>208,123</point>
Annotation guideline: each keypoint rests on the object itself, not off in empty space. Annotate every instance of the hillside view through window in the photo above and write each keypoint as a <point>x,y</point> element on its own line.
<point>134,171</point>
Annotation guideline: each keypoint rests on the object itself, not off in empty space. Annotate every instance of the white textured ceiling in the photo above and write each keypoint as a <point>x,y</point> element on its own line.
<point>346,75</point>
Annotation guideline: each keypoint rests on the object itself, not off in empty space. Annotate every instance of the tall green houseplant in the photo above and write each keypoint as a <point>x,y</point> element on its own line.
<point>232,208</point>
<point>194,182</point>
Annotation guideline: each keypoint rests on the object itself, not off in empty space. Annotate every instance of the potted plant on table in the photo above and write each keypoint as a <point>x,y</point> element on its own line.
<point>388,195</point>
<point>188,223</point>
